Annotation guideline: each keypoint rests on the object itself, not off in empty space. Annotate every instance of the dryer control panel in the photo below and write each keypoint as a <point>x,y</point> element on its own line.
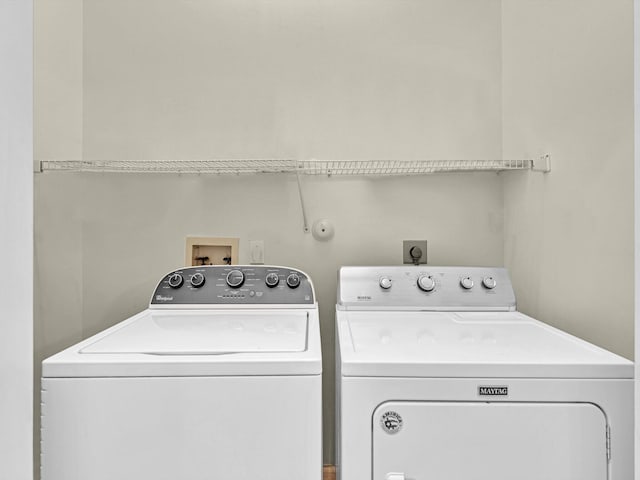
<point>425,288</point>
<point>233,285</point>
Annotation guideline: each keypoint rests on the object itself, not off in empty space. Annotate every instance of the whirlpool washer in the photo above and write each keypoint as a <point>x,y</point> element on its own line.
<point>220,378</point>
<point>439,377</point>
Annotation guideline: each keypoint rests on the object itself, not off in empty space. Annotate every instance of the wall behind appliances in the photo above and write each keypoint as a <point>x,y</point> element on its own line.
<point>568,90</point>
<point>159,79</point>
<point>16,239</point>
<point>363,79</point>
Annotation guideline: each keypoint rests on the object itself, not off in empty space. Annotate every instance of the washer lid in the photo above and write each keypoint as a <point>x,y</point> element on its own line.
<point>468,344</point>
<point>212,342</point>
<point>207,333</point>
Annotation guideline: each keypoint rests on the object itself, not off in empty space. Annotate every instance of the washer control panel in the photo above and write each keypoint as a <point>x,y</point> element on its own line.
<point>233,284</point>
<point>425,288</point>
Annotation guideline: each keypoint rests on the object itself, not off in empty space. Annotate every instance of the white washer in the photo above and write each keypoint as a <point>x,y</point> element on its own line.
<point>439,377</point>
<point>220,378</point>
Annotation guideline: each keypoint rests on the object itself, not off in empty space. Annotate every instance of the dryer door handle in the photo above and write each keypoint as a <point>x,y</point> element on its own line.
<point>395,476</point>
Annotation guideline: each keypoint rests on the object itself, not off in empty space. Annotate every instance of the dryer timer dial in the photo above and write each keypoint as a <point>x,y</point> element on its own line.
<point>489,283</point>
<point>466,283</point>
<point>426,283</point>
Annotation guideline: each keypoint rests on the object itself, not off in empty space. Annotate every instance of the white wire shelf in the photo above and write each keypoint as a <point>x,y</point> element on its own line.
<point>304,167</point>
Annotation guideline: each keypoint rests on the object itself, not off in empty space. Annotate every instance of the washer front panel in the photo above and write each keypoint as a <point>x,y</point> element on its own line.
<point>234,285</point>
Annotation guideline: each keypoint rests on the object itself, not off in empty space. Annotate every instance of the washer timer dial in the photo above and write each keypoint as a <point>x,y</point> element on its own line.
<point>176,280</point>
<point>235,278</point>
<point>385,283</point>
<point>197,280</point>
<point>272,279</point>
<point>293,280</point>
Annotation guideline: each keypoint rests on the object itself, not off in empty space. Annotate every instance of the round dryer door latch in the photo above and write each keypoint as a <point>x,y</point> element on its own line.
<point>391,422</point>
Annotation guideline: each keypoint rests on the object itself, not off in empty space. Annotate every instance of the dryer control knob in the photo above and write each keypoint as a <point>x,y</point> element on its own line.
<point>235,278</point>
<point>426,283</point>
<point>176,280</point>
<point>272,280</point>
<point>385,282</point>
<point>197,280</point>
<point>293,280</point>
<point>489,282</point>
<point>466,283</point>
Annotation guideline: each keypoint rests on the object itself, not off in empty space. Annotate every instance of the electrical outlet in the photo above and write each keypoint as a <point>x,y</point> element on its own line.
<point>414,251</point>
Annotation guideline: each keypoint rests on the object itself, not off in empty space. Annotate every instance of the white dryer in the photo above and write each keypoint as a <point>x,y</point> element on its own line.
<point>439,377</point>
<point>220,378</point>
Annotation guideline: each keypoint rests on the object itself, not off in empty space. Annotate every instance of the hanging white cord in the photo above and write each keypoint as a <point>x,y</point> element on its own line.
<point>304,214</point>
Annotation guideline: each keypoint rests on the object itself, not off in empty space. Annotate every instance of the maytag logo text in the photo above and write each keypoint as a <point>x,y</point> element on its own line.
<point>493,391</point>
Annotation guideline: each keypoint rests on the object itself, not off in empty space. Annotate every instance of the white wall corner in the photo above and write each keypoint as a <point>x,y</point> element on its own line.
<point>636,129</point>
<point>16,239</point>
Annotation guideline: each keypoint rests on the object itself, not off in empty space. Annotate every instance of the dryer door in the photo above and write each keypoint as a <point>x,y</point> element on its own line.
<point>489,441</point>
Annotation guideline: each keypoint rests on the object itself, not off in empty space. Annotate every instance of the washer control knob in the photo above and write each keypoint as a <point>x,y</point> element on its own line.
<point>197,280</point>
<point>466,283</point>
<point>272,280</point>
<point>293,280</point>
<point>489,282</point>
<point>175,280</point>
<point>385,282</point>
<point>235,278</point>
<point>426,283</point>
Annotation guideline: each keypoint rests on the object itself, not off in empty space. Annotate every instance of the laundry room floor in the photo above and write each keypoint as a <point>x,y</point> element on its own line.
<point>329,472</point>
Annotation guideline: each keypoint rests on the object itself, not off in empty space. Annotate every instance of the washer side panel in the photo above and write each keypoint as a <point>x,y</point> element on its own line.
<point>237,428</point>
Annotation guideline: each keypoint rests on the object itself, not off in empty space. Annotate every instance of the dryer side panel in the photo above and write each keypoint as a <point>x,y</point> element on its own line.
<point>489,441</point>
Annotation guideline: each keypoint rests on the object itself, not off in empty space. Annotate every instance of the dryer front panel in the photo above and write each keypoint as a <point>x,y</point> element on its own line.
<point>489,441</point>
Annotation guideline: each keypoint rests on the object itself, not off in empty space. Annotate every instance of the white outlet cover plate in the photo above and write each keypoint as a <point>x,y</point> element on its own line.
<point>256,252</point>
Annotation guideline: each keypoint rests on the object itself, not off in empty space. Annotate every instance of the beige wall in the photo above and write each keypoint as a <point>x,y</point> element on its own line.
<point>291,78</point>
<point>58,85</point>
<point>161,79</point>
<point>568,90</point>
